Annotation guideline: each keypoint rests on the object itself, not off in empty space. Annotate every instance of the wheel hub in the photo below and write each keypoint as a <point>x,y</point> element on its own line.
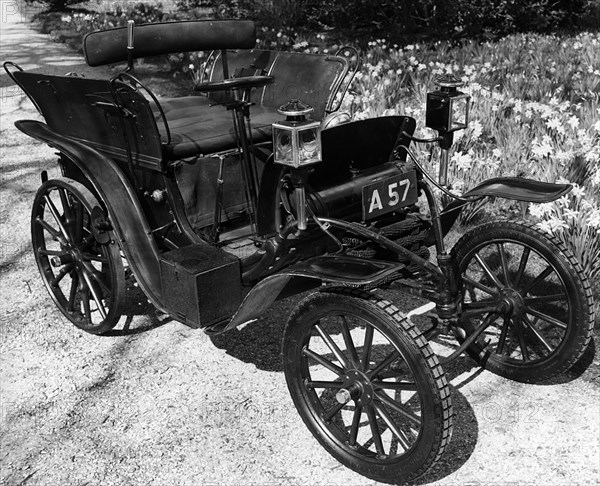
<point>357,386</point>
<point>511,302</point>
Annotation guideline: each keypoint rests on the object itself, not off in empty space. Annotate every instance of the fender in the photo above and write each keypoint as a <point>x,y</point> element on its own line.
<point>306,275</point>
<point>125,212</point>
<point>516,188</point>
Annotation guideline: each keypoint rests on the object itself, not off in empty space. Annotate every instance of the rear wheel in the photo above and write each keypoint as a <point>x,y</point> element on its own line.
<point>80,264</point>
<point>367,385</point>
<point>533,296</point>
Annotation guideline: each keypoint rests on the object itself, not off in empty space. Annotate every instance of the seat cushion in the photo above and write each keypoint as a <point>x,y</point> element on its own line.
<point>197,128</point>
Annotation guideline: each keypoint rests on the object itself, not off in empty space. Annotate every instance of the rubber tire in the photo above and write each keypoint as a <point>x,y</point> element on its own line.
<point>114,270</point>
<point>579,328</point>
<point>436,407</point>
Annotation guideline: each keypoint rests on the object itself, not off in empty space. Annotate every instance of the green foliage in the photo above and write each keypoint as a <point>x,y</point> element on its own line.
<point>395,19</point>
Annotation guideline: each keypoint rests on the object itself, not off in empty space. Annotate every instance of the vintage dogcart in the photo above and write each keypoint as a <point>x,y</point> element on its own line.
<point>220,203</point>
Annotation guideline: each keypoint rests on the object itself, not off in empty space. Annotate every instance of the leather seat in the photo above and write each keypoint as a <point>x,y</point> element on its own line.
<point>197,128</point>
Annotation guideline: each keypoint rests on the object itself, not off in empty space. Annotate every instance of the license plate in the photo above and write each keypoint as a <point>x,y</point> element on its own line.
<point>390,194</point>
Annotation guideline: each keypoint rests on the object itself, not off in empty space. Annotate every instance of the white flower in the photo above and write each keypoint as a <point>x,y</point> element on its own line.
<point>542,149</point>
<point>540,210</point>
<point>571,213</point>
<point>476,129</point>
<point>462,161</point>
<point>556,124</point>
<point>497,153</point>
<point>573,122</point>
<point>578,191</point>
<point>594,219</point>
<point>564,201</point>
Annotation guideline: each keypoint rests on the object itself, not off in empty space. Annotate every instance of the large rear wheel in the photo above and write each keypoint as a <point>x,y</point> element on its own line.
<point>367,385</point>
<point>79,261</point>
<point>532,296</point>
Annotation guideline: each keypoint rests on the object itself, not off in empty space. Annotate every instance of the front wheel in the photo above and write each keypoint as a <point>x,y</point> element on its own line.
<point>532,296</point>
<point>367,384</point>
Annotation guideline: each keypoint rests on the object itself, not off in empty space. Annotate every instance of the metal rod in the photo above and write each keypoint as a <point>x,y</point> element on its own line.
<point>443,175</point>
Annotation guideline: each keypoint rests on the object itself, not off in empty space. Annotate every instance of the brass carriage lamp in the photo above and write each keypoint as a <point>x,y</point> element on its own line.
<point>296,140</point>
<point>297,144</point>
<point>447,108</point>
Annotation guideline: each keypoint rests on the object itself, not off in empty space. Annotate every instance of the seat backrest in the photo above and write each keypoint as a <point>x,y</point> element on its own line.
<point>113,118</point>
<point>312,78</point>
<point>110,46</point>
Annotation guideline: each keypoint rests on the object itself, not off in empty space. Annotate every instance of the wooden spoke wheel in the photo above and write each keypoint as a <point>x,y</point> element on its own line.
<point>77,255</point>
<point>367,385</point>
<point>532,296</point>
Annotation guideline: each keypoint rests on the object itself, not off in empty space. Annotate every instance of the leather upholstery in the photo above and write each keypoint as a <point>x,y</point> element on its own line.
<point>110,46</point>
<point>198,128</point>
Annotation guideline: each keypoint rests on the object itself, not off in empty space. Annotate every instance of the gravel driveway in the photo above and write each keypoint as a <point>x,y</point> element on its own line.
<point>157,403</point>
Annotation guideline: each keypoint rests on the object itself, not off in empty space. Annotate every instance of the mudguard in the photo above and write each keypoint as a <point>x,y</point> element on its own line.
<point>126,215</point>
<point>312,273</point>
<point>516,188</point>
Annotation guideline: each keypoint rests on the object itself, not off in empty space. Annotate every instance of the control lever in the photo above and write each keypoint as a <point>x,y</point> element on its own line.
<point>130,25</point>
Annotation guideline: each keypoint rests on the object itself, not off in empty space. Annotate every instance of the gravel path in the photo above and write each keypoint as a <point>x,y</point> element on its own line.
<point>157,403</point>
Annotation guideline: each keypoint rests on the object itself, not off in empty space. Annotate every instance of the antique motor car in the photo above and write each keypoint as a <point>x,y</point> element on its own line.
<point>257,188</point>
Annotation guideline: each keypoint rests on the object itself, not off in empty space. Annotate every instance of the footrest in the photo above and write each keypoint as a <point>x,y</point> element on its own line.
<point>345,270</point>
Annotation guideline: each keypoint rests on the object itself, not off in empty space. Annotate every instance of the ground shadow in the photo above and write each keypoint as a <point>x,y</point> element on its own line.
<point>137,304</point>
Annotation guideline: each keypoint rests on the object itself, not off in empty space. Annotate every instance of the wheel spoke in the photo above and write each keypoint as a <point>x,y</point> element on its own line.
<point>73,292</point>
<point>97,276</point>
<point>95,296</point>
<point>392,426</point>
<point>349,343</point>
<point>67,211</point>
<point>368,343</point>
<point>480,286</point>
<point>375,430</point>
<point>474,310</point>
<point>55,234</point>
<point>329,415</point>
<point>546,298</point>
<point>504,263</point>
<point>87,312</point>
<point>88,257</point>
<point>401,409</point>
<point>62,273</point>
<point>56,217</point>
<point>522,265</point>
<point>545,317</point>
<point>488,271</point>
<point>355,424</point>
<point>45,251</point>
<point>333,347</point>
<point>395,385</point>
<point>78,222</point>
<point>324,384</point>
<point>503,333</point>
<point>519,332</point>
<point>539,279</point>
<point>537,334</point>
<point>386,362</point>
<point>322,361</point>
